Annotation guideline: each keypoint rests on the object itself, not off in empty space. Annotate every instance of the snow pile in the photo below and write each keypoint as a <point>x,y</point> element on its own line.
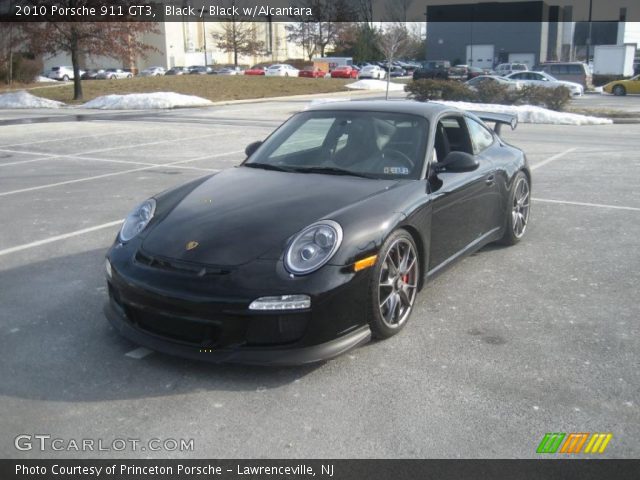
<point>41,79</point>
<point>375,85</point>
<point>22,99</point>
<point>532,114</point>
<point>144,101</point>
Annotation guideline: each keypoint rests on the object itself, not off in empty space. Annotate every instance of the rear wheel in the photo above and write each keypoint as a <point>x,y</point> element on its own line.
<point>519,208</point>
<point>65,78</point>
<point>619,90</point>
<point>394,285</point>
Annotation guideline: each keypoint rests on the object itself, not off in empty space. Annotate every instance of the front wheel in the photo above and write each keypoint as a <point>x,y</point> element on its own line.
<point>519,208</point>
<point>394,285</point>
<point>619,91</point>
<point>65,78</point>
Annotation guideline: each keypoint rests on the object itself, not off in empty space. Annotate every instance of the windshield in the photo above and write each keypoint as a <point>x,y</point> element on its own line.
<point>369,144</point>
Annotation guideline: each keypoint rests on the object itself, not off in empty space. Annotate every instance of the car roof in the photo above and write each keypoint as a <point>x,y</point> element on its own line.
<point>424,109</point>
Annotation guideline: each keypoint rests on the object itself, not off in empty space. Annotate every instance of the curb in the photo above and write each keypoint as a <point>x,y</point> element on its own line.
<point>306,96</point>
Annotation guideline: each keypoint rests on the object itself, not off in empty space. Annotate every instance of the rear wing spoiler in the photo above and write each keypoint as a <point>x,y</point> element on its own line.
<point>498,119</point>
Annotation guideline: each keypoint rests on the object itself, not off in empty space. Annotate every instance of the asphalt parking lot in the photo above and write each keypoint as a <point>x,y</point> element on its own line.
<point>509,344</point>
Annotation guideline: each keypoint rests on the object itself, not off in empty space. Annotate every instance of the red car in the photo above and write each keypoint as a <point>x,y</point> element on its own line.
<point>344,72</point>
<point>312,72</point>
<point>255,70</point>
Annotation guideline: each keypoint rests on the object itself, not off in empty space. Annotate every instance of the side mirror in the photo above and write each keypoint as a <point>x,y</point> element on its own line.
<point>458,162</point>
<point>252,147</point>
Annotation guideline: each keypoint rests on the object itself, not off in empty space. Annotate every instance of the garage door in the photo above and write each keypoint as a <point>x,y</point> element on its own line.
<point>480,56</point>
<point>529,59</point>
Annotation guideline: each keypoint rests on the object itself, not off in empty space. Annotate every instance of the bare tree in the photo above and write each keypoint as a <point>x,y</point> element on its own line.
<point>325,23</point>
<point>398,10</point>
<point>239,38</point>
<point>120,40</point>
<point>392,41</point>
<point>303,33</point>
<point>11,37</point>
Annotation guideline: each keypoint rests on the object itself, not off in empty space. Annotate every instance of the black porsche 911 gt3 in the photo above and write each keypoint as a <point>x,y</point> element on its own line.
<point>321,238</point>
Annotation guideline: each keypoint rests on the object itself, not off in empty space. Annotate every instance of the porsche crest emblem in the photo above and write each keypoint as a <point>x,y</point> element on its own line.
<point>191,245</point>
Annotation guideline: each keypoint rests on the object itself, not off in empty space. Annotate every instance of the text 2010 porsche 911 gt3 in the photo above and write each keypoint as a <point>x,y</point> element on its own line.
<point>321,238</point>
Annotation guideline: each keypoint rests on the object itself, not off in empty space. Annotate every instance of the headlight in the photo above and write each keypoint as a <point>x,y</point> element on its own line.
<point>137,220</point>
<point>313,247</point>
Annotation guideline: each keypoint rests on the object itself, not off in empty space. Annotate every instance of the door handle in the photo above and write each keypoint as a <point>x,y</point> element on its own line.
<point>490,180</point>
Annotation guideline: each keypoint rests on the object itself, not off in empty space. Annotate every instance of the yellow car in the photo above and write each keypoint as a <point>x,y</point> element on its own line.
<point>622,87</point>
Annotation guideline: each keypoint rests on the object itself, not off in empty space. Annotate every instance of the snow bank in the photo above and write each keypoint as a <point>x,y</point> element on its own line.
<point>144,101</point>
<point>22,99</point>
<point>376,85</point>
<point>531,114</point>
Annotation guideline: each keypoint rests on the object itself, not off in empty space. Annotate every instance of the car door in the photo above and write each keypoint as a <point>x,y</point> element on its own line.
<point>633,85</point>
<point>463,203</point>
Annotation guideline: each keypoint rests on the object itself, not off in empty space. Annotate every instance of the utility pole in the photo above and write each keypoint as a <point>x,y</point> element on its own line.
<point>589,34</point>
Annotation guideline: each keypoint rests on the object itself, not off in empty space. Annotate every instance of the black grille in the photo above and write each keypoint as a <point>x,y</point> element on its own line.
<point>274,330</point>
<point>178,265</point>
<point>175,328</point>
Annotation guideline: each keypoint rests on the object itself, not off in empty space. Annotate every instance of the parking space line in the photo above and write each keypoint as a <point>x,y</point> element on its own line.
<point>56,238</point>
<point>586,204</point>
<point>139,353</point>
<point>49,156</point>
<point>65,139</point>
<point>113,174</point>
<point>552,158</point>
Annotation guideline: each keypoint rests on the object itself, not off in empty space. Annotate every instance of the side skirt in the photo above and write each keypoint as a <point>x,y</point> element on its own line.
<point>477,244</point>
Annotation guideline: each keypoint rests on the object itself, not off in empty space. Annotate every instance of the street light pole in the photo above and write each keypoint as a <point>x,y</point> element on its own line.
<point>589,34</point>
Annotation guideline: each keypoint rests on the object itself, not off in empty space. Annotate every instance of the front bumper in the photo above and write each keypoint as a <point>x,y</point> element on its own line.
<point>250,356</point>
<point>207,317</point>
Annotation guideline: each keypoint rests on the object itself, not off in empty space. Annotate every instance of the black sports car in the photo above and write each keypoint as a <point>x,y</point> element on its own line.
<point>321,238</point>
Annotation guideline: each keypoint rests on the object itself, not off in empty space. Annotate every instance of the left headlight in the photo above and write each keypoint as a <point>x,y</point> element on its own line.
<point>313,247</point>
<point>137,220</point>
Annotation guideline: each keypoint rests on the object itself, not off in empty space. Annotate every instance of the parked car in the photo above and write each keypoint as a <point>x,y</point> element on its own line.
<point>62,73</point>
<point>507,68</point>
<point>281,70</point>
<point>542,79</point>
<point>473,72</point>
<point>114,74</point>
<point>396,71</point>
<point>228,71</point>
<point>91,74</point>
<point>153,72</point>
<point>576,72</point>
<point>312,72</point>
<point>622,87</point>
<point>256,70</point>
<point>439,69</point>
<point>177,71</point>
<point>372,71</point>
<point>475,82</point>
<point>344,72</point>
<point>277,269</point>
<point>199,70</point>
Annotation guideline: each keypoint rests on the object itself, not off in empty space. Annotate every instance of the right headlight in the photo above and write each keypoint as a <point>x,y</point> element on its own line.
<point>313,247</point>
<point>137,220</point>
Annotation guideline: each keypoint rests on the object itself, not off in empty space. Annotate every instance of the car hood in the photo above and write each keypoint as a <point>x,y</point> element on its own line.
<point>241,213</point>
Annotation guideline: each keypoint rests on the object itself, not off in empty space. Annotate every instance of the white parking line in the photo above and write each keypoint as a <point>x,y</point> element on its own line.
<point>554,157</point>
<point>49,156</point>
<point>586,204</point>
<point>56,238</point>
<point>113,174</point>
<point>65,139</point>
<point>138,353</point>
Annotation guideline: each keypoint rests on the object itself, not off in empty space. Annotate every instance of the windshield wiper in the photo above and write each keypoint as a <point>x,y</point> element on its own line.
<point>268,166</point>
<point>331,171</point>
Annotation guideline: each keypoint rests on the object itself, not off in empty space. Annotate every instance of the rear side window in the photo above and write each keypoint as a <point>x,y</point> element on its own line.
<point>481,137</point>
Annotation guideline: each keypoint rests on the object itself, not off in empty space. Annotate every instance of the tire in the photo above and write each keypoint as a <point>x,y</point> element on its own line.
<point>519,210</point>
<point>619,91</point>
<point>65,78</point>
<point>129,76</point>
<point>392,297</point>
